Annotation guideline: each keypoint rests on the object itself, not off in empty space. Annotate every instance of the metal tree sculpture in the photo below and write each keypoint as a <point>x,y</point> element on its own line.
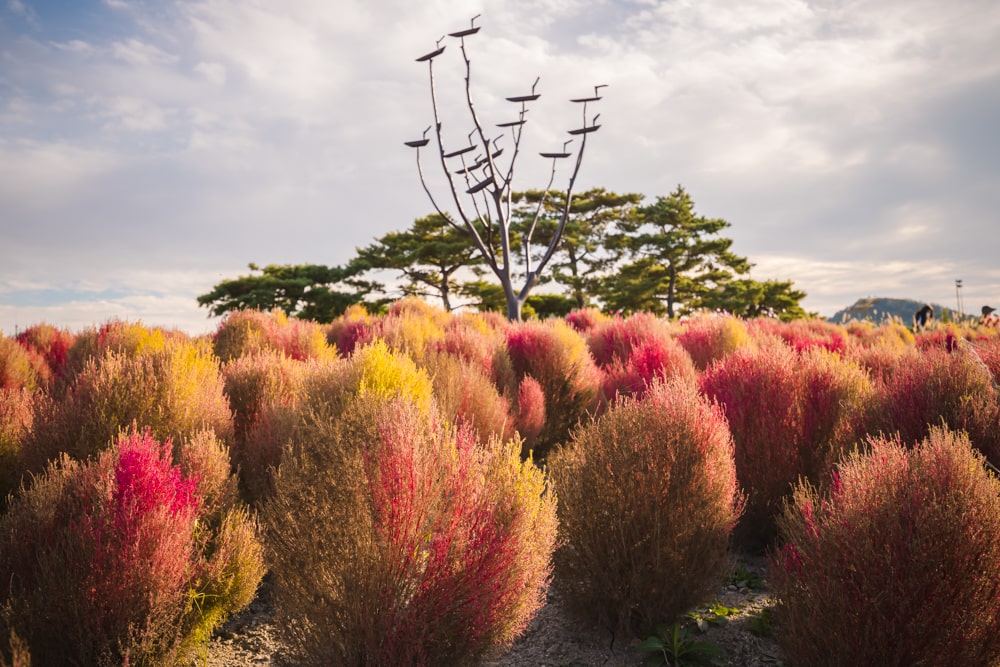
<point>481,189</point>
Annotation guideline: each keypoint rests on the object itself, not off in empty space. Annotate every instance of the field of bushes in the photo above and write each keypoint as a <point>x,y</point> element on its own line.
<point>413,483</point>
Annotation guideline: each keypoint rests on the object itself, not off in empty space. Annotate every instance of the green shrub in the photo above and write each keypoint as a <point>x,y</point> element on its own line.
<point>647,500</point>
<point>896,564</point>
<point>396,540</point>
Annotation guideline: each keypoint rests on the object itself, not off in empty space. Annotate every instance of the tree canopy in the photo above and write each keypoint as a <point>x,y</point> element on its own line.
<point>583,257</point>
<point>307,291</point>
<point>428,254</point>
<point>614,253</point>
<point>675,258</point>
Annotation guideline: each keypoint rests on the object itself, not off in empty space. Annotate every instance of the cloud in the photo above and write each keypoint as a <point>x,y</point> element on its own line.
<point>135,114</point>
<point>38,176</point>
<point>214,72</point>
<point>852,145</point>
<point>138,53</point>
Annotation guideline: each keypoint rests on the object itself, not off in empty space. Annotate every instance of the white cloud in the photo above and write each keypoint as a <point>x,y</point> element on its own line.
<point>39,176</point>
<point>75,46</point>
<point>135,114</point>
<point>217,132</point>
<point>138,53</point>
<point>213,72</point>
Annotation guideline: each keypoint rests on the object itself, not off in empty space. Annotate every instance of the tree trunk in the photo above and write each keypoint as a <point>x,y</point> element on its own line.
<point>671,286</point>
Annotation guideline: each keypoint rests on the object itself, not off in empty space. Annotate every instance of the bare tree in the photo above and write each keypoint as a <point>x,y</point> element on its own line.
<point>481,189</point>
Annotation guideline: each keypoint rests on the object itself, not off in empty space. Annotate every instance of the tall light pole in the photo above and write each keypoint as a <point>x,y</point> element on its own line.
<point>958,298</point>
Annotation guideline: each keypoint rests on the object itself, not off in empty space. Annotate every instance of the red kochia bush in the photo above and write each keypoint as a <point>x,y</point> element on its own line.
<point>896,566</point>
<point>988,351</point>
<point>103,561</point>
<point>398,541</point>
<point>709,337</point>
<point>650,360</point>
<point>647,499</point>
<point>935,386</point>
<point>791,415</point>
<point>557,358</point>
<point>52,345</point>
<point>802,335</point>
<point>351,330</point>
<point>613,340</point>
<point>585,319</point>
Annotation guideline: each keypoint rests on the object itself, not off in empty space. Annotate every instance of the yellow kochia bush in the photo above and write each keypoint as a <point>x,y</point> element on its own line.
<point>175,390</point>
<point>374,371</point>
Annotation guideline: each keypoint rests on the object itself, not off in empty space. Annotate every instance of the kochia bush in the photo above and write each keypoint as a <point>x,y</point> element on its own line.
<point>18,368</point>
<point>935,386</point>
<point>801,335</point>
<point>896,565</point>
<point>253,332</point>
<point>612,340</point>
<point>655,359</point>
<point>647,499</point>
<point>558,359</point>
<point>791,415</point>
<point>707,338</point>
<point>465,394</point>
<point>17,413</point>
<point>350,330</point>
<point>119,559</point>
<point>52,345</point>
<point>585,319</point>
<point>175,390</point>
<point>260,387</point>
<point>397,540</point>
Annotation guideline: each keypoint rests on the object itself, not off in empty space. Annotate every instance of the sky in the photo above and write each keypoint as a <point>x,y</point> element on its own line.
<point>150,150</point>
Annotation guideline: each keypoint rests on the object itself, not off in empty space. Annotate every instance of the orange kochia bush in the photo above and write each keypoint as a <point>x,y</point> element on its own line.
<point>398,540</point>
<point>647,499</point>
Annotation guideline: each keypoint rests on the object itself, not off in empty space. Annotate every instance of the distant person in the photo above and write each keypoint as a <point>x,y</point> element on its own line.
<point>922,317</point>
<point>989,319</point>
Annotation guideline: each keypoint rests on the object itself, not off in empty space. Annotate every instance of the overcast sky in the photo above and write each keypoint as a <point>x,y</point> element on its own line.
<point>149,150</point>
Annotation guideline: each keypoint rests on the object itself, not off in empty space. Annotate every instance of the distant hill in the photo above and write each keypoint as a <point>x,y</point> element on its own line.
<point>879,309</point>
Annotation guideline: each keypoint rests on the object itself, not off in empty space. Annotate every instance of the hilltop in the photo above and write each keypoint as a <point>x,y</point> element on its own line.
<point>879,309</point>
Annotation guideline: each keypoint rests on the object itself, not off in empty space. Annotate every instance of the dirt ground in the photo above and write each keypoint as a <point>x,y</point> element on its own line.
<point>553,639</point>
